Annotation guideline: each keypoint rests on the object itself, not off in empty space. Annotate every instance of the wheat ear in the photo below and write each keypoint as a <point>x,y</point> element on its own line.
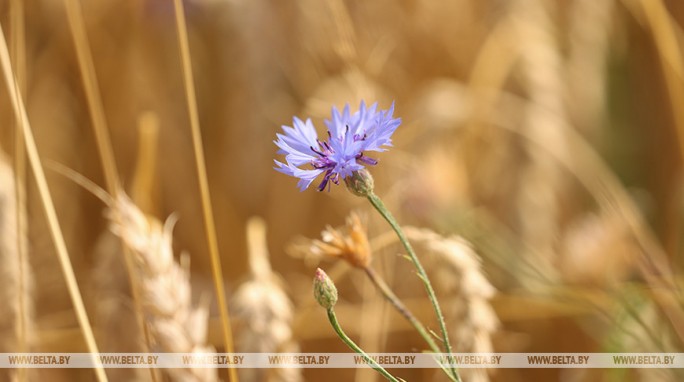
<point>16,318</point>
<point>265,310</point>
<point>175,326</point>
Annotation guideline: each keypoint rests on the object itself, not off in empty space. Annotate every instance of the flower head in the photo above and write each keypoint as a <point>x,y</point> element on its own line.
<point>325,291</point>
<point>349,243</point>
<point>342,153</point>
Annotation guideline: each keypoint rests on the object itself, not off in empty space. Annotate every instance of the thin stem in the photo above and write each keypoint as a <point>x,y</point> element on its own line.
<point>401,308</point>
<point>18,53</point>
<point>380,207</point>
<point>338,329</point>
<point>200,163</point>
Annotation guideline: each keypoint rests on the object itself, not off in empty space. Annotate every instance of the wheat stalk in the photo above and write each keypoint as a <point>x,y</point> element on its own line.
<point>200,163</point>
<point>24,282</point>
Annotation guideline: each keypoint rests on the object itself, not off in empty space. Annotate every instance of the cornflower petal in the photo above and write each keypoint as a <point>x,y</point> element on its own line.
<point>306,177</point>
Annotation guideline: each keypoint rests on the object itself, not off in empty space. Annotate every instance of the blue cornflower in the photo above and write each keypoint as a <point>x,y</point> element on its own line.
<point>342,154</point>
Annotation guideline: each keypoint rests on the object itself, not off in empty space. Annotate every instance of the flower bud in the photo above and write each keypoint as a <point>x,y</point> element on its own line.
<point>360,183</point>
<point>325,291</point>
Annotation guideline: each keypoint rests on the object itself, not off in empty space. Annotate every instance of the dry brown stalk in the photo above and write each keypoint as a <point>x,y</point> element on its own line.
<point>201,166</point>
<point>24,283</point>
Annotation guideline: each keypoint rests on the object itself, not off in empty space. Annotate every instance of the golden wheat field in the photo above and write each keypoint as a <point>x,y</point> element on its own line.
<point>536,172</point>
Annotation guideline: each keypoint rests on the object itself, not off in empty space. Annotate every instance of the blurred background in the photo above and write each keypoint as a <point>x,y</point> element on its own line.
<point>541,140</point>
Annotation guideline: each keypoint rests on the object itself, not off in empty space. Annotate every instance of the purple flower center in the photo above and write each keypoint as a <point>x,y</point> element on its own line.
<point>325,160</point>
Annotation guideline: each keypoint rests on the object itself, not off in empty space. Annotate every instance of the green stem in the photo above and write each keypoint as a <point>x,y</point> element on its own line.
<point>380,207</point>
<point>338,329</point>
<point>401,308</point>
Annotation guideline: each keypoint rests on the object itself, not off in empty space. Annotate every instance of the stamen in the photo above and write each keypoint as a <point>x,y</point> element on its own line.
<point>324,183</point>
<point>367,160</point>
<point>316,151</point>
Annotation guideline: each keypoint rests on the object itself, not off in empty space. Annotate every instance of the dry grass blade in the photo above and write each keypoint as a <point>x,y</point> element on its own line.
<point>24,280</point>
<point>92,91</point>
<point>48,206</point>
<point>209,225</point>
